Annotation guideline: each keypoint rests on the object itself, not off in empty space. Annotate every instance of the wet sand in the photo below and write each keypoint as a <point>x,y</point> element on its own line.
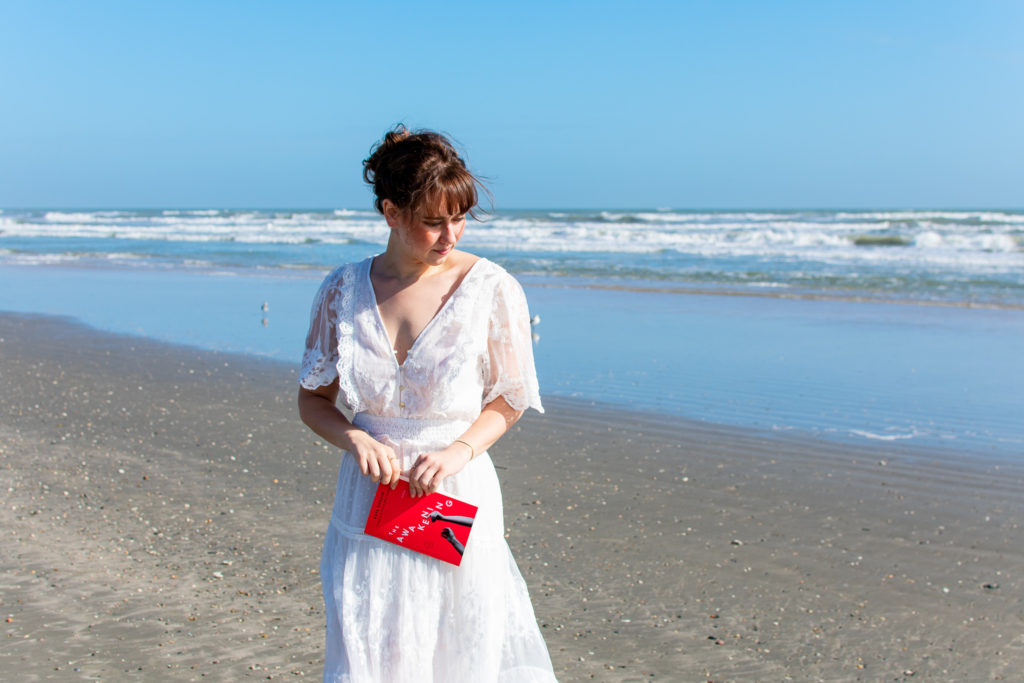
<point>163,512</point>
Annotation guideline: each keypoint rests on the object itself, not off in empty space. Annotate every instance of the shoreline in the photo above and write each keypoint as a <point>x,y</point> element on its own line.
<point>782,292</point>
<point>317,273</point>
<point>642,411</point>
<point>945,377</point>
<point>165,508</point>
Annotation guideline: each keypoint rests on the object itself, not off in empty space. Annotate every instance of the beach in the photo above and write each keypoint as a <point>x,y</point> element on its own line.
<point>778,445</point>
<point>773,264</point>
<point>164,510</point>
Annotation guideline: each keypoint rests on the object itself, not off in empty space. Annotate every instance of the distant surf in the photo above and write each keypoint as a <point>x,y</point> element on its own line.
<point>952,257</point>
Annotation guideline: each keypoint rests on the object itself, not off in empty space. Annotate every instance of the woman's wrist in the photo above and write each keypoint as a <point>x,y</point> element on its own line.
<point>351,436</point>
<point>466,446</point>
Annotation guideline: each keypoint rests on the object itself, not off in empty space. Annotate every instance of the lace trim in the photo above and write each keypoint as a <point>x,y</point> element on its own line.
<point>509,331</point>
<point>318,360</point>
<point>517,395</point>
<point>314,373</point>
<point>346,333</point>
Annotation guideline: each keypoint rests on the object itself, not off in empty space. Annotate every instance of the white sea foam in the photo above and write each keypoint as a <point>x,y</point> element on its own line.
<point>776,247</point>
<point>949,216</point>
<point>884,437</point>
<point>23,259</point>
<point>62,217</point>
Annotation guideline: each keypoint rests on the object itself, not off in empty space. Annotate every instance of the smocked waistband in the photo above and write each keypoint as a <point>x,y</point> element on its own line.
<point>404,428</point>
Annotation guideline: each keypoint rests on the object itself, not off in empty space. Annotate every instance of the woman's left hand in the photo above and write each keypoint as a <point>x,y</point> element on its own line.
<point>430,469</point>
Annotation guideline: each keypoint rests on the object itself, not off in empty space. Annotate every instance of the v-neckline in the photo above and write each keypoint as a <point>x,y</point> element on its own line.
<point>380,319</point>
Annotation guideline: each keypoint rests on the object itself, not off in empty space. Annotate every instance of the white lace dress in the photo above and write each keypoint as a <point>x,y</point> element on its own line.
<point>394,615</point>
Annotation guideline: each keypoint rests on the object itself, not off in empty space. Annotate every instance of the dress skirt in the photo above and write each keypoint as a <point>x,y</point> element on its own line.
<point>396,616</point>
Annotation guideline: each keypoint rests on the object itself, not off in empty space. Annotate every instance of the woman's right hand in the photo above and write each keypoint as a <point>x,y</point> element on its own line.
<point>376,460</point>
<point>318,410</point>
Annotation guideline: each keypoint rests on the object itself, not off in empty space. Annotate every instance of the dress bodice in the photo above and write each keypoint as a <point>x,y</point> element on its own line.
<point>476,348</point>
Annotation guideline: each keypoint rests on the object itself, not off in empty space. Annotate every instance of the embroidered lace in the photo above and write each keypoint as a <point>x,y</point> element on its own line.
<point>394,615</point>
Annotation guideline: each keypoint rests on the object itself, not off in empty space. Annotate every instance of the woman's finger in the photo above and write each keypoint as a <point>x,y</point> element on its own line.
<point>421,474</point>
<point>430,482</point>
<point>415,474</point>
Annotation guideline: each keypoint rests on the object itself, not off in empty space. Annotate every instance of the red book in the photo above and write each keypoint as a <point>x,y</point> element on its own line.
<point>435,524</point>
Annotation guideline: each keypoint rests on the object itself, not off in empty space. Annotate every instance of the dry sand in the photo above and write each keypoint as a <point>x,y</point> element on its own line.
<point>163,511</point>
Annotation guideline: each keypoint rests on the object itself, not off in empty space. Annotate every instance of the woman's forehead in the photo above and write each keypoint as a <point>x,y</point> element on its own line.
<point>442,204</point>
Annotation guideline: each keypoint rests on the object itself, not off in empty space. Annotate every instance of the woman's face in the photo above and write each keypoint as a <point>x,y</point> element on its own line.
<point>427,235</point>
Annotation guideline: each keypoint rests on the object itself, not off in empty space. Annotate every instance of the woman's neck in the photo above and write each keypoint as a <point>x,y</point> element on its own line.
<point>406,271</point>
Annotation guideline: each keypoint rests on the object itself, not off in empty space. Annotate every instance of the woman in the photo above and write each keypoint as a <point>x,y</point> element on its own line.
<point>429,349</point>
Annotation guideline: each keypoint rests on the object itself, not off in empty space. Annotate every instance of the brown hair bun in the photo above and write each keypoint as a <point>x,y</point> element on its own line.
<point>415,168</point>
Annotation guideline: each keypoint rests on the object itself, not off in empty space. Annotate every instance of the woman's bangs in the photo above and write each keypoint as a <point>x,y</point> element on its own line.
<point>454,195</point>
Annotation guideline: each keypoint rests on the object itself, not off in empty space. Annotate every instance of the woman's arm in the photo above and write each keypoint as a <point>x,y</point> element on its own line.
<point>430,469</point>
<point>318,411</point>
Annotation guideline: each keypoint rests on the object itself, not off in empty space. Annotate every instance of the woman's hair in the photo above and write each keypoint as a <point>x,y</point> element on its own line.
<point>420,168</point>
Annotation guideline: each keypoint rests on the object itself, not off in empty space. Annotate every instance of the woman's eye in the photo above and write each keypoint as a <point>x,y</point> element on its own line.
<point>440,222</point>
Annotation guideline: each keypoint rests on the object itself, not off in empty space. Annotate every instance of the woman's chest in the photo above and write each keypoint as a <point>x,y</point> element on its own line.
<point>441,368</point>
<point>405,314</point>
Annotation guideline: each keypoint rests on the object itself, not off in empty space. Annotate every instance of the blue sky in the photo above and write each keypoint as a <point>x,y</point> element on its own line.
<point>717,104</point>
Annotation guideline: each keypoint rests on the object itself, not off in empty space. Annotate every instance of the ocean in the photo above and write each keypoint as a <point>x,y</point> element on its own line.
<point>956,257</point>
<point>865,325</point>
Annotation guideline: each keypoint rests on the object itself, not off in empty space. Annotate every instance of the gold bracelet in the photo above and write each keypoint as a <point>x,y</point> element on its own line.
<point>472,450</point>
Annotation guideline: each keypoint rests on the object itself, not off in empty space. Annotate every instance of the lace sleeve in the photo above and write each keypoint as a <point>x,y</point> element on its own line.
<point>510,370</point>
<point>319,361</point>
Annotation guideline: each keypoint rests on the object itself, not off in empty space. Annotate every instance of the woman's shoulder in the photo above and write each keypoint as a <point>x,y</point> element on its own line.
<point>494,284</point>
<point>498,276</point>
<point>346,271</point>
<point>341,279</point>
<point>485,269</point>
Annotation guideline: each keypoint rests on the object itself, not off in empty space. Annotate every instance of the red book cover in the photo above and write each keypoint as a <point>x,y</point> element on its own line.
<point>435,524</point>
